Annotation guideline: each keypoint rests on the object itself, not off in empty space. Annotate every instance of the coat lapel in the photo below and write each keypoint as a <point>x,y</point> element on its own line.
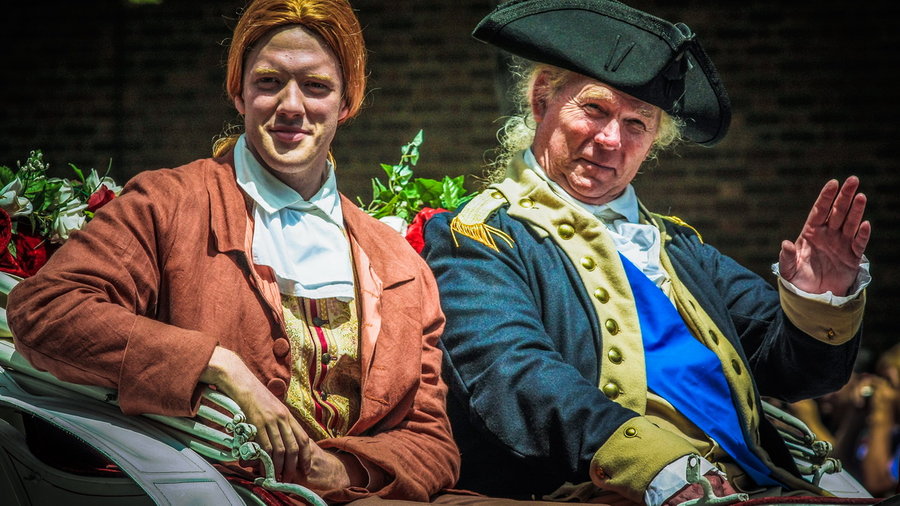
<point>232,229</point>
<point>391,333</point>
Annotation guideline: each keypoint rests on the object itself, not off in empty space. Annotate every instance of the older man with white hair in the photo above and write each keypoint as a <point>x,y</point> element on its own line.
<point>596,350</point>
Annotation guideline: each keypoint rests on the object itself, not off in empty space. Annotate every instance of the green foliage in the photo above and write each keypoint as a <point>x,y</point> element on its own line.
<point>47,196</point>
<point>404,195</point>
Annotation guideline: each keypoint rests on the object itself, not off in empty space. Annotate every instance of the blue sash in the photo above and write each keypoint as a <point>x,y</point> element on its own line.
<point>688,374</point>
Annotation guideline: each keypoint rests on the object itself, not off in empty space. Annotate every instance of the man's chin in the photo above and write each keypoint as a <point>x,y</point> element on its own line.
<point>593,194</point>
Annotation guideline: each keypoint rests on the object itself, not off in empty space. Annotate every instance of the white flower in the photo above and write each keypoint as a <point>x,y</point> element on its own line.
<point>65,193</point>
<point>93,181</point>
<point>12,202</point>
<point>395,222</point>
<point>70,218</point>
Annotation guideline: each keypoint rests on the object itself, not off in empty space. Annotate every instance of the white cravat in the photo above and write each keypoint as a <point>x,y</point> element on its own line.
<point>303,241</point>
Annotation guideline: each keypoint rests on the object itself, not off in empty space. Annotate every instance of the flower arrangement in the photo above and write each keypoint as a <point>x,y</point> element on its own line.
<point>38,213</point>
<point>406,202</point>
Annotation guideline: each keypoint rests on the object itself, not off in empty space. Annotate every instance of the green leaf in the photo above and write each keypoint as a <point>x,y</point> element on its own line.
<point>77,172</point>
<point>378,189</point>
<point>417,140</point>
<point>34,188</point>
<point>402,174</point>
<point>6,175</point>
<point>405,195</point>
<point>430,191</point>
<point>452,192</point>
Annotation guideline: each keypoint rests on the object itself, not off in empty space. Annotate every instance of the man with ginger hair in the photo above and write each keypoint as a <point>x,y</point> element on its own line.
<point>250,272</point>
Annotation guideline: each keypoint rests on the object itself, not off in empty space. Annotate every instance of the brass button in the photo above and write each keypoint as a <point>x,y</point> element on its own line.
<point>614,355</point>
<point>497,195</point>
<point>713,336</point>
<point>830,333</point>
<point>526,203</point>
<point>566,231</point>
<point>588,263</point>
<point>736,365</point>
<point>630,432</point>
<point>326,358</point>
<point>612,326</point>
<point>611,390</point>
<point>602,295</point>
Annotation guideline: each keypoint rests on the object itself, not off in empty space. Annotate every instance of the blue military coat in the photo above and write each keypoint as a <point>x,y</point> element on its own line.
<point>524,352</point>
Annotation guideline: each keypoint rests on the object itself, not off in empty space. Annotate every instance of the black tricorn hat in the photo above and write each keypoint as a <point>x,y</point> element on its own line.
<point>639,54</point>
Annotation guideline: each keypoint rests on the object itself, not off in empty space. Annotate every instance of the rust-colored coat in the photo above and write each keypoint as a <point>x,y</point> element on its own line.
<point>139,299</point>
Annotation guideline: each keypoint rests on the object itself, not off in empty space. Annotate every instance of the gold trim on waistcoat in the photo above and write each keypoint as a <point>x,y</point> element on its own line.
<point>584,240</point>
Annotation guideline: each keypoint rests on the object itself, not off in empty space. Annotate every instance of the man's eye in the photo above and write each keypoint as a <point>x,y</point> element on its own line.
<point>638,125</point>
<point>315,85</point>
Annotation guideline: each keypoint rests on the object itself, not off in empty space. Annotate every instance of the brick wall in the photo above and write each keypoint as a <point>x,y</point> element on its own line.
<point>101,82</point>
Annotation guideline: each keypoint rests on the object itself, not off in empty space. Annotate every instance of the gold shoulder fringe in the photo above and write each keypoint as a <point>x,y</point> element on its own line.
<point>678,221</point>
<point>479,232</point>
<point>471,221</point>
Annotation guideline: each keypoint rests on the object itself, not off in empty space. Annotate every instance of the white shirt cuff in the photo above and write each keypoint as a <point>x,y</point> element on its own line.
<point>671,479</point>
<point>863,278</point>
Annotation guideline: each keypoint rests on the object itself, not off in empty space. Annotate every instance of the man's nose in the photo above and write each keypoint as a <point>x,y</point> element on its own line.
<point>291,103</point>
<point>610,135</point>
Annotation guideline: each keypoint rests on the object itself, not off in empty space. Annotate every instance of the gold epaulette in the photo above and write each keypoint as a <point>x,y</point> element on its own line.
<point>678,221</point>
<point>471,221</point>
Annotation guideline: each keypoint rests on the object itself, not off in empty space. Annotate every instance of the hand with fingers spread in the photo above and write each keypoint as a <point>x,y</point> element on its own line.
<point>826,255</point>
<point>296,458</point>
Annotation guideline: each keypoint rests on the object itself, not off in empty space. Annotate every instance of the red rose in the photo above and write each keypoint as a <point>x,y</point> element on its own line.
<point>9,265</point>
<point>32,253</point>
<point>5,229</point>
<point>8,262</point>
<point>99,198</point>
<point>414,233</point>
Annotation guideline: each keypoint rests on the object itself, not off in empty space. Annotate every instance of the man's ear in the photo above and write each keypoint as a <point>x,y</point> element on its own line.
<point>345,111</point>
<point>540,90</point>
<point>239,104</point>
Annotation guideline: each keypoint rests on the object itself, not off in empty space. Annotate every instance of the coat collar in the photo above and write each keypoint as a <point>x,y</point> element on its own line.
<point>227,201</point>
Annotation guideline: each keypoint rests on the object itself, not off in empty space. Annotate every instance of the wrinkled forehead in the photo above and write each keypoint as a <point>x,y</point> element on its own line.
<point>592,89</point>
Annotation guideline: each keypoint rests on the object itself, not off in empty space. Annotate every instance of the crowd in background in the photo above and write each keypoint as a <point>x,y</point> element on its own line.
<point>861,421</point>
